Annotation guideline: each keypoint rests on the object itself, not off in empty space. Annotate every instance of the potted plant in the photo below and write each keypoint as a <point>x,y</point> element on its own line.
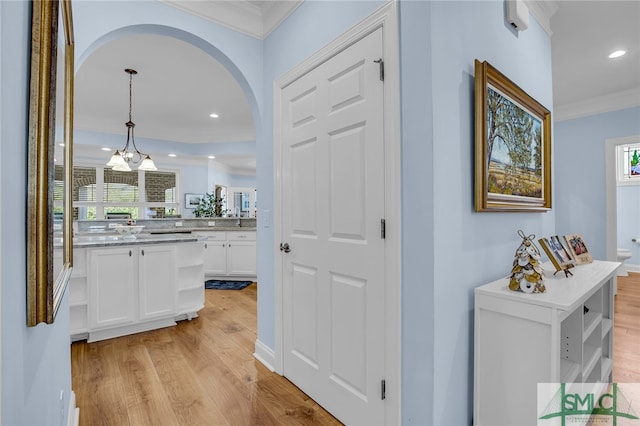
<point>210,206</point>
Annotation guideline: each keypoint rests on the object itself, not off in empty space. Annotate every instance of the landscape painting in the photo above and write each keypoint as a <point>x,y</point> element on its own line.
<point>512,146</point>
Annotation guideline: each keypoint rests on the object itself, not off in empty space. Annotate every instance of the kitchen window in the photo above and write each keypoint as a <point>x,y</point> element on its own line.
<point>102,193</point>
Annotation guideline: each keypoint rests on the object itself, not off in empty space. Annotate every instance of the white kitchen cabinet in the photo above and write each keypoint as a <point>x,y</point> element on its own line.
<point>564,335</point>
<point>230,253</point>
<point>241,253</point>
<point>122,290</point>
<point>157,281</point>
<point>113,280</point>
<point>215,253</point>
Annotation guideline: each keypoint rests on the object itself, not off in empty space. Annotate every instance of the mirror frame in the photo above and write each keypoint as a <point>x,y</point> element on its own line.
<point>44,291</point>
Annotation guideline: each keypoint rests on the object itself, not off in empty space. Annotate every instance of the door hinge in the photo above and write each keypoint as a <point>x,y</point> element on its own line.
<point>383,389</point>
<point>381,63</point>
<point>383,229</point>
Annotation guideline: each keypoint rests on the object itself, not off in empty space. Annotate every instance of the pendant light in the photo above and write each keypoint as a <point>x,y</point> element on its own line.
<point>120,159</point>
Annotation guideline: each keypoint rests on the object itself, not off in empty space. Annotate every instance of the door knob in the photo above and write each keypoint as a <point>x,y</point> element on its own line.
<point>285,247</point>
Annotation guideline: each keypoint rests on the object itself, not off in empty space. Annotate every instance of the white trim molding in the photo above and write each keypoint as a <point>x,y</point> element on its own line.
<point>265,355</point>
<point>254,18</point>
<point>542,11</point>
<point>611,199</point>
<point>73,412</point>
<point>598,105</point>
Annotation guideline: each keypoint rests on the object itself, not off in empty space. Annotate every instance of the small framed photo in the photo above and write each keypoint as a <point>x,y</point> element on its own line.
<point>557,253</point>
<point>578,249</point>
<point>191,201</point>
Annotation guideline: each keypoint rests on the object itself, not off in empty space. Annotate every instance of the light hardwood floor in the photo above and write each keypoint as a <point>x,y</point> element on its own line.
<point>201,372</point>
<point>626,330</point>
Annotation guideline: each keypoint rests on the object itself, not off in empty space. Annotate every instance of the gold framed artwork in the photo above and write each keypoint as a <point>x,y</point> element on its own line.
<point>49,214</point>
<point>557,253</point>
<point>512,146</point>
<point>578,249</point>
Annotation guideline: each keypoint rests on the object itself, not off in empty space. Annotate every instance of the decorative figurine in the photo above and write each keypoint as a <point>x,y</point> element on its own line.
<point>527,274</point>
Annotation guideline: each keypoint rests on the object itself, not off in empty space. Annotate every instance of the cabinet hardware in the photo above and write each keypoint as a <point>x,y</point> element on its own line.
<point>383,389</point>
<point>129,253</point>
<point>205,245</point>
<point>143,252</point>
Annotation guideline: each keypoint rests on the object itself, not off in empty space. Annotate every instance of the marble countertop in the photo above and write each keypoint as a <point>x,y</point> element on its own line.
<point>148,236</point>
<point>111,240</point>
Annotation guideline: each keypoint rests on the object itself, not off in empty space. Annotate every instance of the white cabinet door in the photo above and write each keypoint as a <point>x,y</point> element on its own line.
<point>241,258</point>
<point>215,257</point>
<point>113,276</point>
<point>157,281</point>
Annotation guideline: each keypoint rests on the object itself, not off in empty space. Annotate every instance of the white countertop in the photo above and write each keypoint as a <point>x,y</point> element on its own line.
<point>562,292</point>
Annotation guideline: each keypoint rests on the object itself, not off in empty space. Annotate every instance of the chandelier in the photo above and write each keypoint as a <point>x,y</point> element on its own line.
<point>120,159</point>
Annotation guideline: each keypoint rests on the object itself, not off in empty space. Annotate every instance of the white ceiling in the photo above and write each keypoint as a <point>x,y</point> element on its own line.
<point>585,80</point>
<point>179,85</point>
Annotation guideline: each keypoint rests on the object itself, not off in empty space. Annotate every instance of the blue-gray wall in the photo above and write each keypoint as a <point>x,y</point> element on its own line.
<point>580,173</point>
<point>470,248</point>
<point>36,363</point>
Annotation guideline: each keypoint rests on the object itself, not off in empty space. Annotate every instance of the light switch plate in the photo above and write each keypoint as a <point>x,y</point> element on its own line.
<point>211,223</point>
<point>178,223</point>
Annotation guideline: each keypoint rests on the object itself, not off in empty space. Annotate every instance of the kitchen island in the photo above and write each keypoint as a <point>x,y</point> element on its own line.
<point>124,285</point>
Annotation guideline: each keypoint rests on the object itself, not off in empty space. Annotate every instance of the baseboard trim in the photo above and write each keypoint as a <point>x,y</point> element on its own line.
<point>265,355</point>
<point>109,333</point>
<point>632,268</point>
<point>73,412</point>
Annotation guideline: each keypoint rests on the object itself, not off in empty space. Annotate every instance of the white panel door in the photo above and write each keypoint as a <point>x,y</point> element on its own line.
<point>332,169</point>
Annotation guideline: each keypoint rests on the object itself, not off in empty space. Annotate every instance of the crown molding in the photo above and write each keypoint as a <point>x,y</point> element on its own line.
<point>598,105</point>
<point>254,18</point>
<point>542,11</point>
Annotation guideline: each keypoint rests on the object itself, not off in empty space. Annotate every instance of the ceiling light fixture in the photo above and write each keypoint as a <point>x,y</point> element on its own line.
<point>106,149</point>
<point>214,115</point>
<point>617,54</point>
<point>120,159</point>
<point>211,157</point>
<point>171,155</point>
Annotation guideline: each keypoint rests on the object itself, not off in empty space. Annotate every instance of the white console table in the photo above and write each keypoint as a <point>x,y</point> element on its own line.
<point>562,336</point>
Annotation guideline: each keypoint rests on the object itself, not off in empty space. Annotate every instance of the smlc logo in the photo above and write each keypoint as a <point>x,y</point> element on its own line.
<point>593,403</point>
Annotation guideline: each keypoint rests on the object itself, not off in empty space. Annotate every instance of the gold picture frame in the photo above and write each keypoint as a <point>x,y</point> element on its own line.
<point>49,214</point>
<point>512,146</point>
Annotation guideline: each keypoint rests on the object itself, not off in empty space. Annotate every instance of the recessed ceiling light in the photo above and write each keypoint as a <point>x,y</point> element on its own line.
<point>617,54</point>
<point>172,155</point>
<point>214,115</point>
<point>106,149</point>
<point>211,157</point>
<point>61,144</point>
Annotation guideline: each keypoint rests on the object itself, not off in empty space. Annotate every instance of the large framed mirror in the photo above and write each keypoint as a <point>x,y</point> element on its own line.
<point>49,214</point>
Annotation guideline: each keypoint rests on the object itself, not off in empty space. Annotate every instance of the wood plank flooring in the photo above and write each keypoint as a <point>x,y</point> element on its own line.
<point>626,330</point>
<point>201,372</point>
